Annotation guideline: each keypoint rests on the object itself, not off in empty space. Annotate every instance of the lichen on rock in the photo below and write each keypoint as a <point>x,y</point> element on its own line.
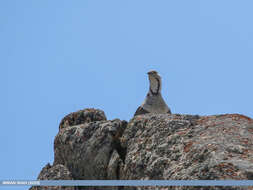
<point>55,172</point>
<point>81,117</point>
<point>153,147</point>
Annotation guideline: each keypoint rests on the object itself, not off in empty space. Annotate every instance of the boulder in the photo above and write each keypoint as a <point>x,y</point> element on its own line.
<point>56,172</point>
<point>186,147</point>
<point>86,149</point>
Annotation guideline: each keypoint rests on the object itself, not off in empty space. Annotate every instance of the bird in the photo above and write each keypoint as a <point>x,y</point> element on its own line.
<point>153,102</point>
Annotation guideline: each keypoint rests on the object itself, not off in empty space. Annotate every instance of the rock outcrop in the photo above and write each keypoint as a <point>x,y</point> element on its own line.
<point>152,147</point>
<point>86,149</point>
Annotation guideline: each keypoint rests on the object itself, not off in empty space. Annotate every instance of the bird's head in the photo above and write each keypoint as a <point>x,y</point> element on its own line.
<point>153,73</point>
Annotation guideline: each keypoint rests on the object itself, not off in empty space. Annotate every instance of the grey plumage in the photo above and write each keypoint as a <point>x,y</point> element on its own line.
<point>140,111</point>
<point>153,102</point>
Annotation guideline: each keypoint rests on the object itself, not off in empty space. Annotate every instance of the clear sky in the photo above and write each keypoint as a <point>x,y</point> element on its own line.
<point>61,56</point>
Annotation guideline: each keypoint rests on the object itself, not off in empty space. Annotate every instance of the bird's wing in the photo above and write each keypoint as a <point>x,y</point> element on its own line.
<point>140,111</point>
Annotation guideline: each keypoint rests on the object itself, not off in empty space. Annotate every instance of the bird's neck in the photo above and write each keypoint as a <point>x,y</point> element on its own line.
<point>154,86</point>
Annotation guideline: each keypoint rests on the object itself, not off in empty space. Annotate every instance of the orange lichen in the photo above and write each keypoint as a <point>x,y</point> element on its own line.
<point>250,130</point>
<point>183,132</point>
<point>237,117</point>
<point>203,120</point>
<point>245,141</point>
<point>188,147</point>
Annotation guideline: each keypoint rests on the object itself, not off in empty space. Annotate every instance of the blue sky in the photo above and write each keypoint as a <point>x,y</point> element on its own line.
<point>61,56</point>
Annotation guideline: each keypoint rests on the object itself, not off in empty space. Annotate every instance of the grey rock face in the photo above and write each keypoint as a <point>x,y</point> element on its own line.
<point>84,146</point>
<point>184,147</point>
<point>81,117</point>
<point>86,149</point>
<point>153,147</point>
<point>55,172</point>
<point>153,143</point>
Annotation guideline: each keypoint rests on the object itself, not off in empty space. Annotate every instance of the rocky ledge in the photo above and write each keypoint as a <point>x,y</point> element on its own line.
<point>152,147</point>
